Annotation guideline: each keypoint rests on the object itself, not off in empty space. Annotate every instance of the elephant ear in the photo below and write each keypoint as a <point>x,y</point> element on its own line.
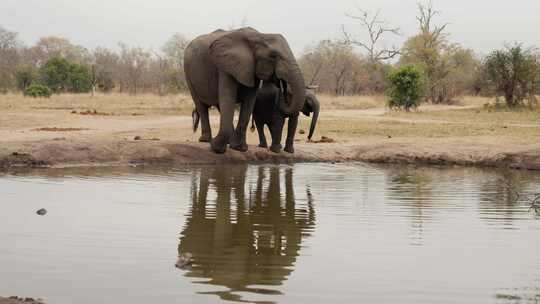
<point>232,54</point>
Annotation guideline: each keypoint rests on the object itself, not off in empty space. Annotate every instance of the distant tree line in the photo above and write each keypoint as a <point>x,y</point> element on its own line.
<point>62,66</point>
<point>355,64</point>
<point>445,70</point>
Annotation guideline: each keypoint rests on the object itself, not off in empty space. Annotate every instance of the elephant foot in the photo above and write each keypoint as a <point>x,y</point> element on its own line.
<point>263,145</point>
<point>238,144</point>
<point>289,149</point>
<point>219,144</point>
<point>205,138</point>
<point>276,148</point>
<point>243,147</point>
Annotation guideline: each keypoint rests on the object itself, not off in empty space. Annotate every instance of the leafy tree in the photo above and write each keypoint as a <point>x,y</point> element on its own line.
<point>25,76</point>
<point>55,73</point>
<point>406,87</point>
<point>79,79</point>
<point>515,74</point>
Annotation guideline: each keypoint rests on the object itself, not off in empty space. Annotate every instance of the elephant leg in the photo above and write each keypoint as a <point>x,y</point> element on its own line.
<point>239,138</point>
<point>227,100</point>
<point>276,129</point>
<point>206,135</point>
<point>291,131</point>
<point>260,131</point>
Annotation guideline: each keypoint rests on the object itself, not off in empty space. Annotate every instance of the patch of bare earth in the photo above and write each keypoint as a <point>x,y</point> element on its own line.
<point>55,129</point>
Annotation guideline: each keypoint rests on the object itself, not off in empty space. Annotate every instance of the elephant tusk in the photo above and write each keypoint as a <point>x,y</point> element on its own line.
<point>260,84</point>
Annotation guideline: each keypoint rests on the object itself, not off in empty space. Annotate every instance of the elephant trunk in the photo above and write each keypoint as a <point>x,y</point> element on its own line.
<point>294,91</point>
<point>316,109</point>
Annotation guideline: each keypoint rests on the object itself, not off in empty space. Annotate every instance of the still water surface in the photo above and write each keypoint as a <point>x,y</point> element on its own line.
<point>308,233</point>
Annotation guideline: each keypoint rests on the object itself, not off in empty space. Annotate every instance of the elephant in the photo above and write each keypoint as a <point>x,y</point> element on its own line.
<point>267,112</point>
<point>226,67</point>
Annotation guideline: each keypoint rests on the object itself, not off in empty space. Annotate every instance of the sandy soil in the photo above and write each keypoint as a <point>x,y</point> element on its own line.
<point>62,137</point>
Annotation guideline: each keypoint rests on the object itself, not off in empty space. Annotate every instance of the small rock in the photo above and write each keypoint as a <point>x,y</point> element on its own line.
<point>389,136</point>
<point>73,112</point>
<point>137,137</point>
<point>301,132</point>
<point>41,211</point>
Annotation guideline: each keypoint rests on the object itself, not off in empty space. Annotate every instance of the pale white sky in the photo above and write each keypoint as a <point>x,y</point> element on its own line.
<point>478,24</point>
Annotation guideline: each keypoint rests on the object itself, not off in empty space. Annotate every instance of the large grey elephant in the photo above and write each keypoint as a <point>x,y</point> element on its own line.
<point>267,112</point>
<point>226,67</point>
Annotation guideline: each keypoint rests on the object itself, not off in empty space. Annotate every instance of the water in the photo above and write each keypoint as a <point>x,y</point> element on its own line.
<point>308,233</point>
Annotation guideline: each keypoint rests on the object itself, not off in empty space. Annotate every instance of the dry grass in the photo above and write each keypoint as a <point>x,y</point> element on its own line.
<point>331,102</point>
<point>350,128</point>
<point>469,118</point>
<point>115,103</point>
<point>342,117</point>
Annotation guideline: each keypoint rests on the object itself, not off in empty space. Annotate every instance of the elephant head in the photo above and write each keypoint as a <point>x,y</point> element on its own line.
<point>250,57</point>
<point>311,105</point>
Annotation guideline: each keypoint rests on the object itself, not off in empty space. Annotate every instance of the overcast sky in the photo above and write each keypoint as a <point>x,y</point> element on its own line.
<point>478,24</point>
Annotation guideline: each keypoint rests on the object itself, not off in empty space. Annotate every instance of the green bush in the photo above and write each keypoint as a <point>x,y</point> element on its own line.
<point>54,74</point>
<point>38,90</point>
<point>406,87</point>
<point>60,75</point>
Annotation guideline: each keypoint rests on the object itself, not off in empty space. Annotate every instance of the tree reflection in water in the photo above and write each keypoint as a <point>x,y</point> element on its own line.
<point>245,241</point>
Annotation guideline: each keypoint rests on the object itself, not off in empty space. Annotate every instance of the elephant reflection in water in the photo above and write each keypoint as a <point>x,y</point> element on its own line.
<point>240,240</point>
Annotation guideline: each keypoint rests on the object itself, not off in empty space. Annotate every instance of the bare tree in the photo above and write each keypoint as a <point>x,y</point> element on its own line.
<point>106,69</point>
<point>376,28</point>
<point>53,46</point>
<point>134,64</point>
<point>332,65</point>
<point>425,20</point>
<point>9,57</point>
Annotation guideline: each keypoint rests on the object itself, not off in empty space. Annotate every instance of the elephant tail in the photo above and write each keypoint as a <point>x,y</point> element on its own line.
<point>252,129</point>
<point>195,116</point>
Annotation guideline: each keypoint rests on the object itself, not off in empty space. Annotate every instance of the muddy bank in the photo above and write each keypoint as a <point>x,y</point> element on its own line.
<point>20,300</point>
<point>70,153</point>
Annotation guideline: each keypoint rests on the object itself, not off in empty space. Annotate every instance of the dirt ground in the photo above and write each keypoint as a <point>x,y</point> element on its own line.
<point>111,130</point>
<point>19,300</point>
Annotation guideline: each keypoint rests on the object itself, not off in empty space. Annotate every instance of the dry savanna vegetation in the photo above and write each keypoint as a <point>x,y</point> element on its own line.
<point>429,95</point>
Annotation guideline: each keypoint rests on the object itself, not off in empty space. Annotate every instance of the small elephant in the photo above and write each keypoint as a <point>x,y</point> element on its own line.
<point>267,112</point>
<point>226,67</point>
